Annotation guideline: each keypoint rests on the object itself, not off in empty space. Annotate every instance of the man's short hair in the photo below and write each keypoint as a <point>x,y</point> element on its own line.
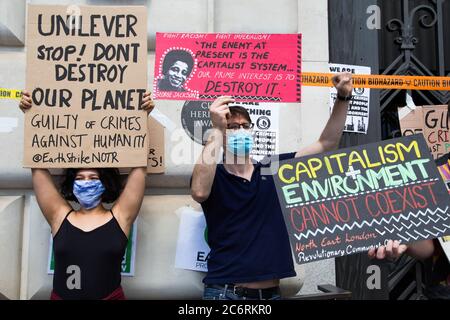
<point>241,111</point>
<point>177,55</point>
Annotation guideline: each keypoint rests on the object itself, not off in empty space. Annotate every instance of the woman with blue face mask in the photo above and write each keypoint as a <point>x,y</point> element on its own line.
<point>89,243</point>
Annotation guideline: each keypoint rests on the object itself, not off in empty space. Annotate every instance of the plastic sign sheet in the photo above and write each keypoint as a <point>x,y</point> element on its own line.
<point>192,251</point>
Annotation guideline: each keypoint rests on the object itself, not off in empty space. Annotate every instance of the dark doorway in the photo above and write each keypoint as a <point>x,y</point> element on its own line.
<point>413,39</point>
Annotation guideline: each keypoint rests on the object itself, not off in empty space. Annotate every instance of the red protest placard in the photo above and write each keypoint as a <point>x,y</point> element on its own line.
<point>249,67</point>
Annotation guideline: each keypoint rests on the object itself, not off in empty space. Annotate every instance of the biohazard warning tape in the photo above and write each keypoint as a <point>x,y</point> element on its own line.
<point>315,79</point>
<point>380,81</point>
<point>10,93</point>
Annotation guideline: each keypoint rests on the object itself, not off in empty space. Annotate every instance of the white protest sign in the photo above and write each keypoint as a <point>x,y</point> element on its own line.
<point>192,247</point>
<point>358,110</point>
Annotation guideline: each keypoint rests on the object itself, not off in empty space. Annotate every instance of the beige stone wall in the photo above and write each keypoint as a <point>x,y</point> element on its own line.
<point>10,245</point>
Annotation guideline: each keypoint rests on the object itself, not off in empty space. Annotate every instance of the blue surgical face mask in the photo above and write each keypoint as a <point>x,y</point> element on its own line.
<point>88,192</point>
<point>240,142</point>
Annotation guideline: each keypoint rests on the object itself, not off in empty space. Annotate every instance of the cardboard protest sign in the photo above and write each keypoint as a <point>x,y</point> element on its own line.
<point>128,261</point>
<point>435,129</point>
<point>87,74</point>
<point>358,110</point>
<point>432,122</point>
<point>348,201</point>
<point>156,158</point>
<point>250,67</point>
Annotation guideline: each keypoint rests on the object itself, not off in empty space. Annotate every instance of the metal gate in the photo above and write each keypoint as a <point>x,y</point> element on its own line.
<point>414,40</point>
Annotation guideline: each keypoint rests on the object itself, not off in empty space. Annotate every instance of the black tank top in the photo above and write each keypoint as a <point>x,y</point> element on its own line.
<point>88,264</point>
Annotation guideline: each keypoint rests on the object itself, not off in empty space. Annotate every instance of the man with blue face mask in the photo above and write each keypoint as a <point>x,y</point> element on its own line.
<point>239,136</point>
<point>250,249</point>
<point>247,235</point>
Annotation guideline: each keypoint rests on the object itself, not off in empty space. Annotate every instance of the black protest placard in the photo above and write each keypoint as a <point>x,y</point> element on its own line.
<point>87,75</point>
<point>350,200</point>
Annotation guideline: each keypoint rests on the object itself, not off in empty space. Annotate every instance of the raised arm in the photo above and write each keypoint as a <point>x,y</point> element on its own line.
<point>52,204</point>
<point>205,168</point>
<point>127,206</point>
<point>331,135</point>
<point>129,202</point>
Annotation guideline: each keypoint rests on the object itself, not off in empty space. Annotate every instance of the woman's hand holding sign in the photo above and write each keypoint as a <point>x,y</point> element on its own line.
<point>25,101</point>
<point>147,102</point>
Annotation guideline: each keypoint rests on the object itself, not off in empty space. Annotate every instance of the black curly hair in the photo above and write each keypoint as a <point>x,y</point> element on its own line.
<point>177,55</point>
<point>110,178</point>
